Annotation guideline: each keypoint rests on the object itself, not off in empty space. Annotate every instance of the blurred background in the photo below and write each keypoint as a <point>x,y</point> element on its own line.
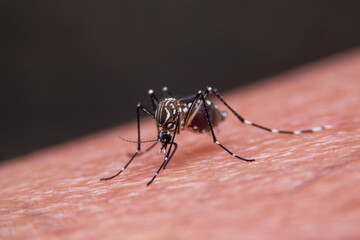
<point>69,68</point>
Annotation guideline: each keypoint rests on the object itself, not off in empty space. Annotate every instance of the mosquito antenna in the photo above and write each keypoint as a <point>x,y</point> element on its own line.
<point>142,141</point>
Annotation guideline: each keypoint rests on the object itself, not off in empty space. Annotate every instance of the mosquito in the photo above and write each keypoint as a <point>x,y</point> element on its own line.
<point>196,112</point>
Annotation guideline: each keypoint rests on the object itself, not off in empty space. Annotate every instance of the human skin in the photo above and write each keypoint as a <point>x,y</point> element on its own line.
<point>300,186</point>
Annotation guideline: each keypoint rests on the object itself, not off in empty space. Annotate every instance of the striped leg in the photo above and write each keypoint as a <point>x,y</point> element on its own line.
<point>146,150</point>
<point>171,155</point>
<point>243,120</point>
<point>139,107</point>
<point>168,155</point>
<point>202,96</point>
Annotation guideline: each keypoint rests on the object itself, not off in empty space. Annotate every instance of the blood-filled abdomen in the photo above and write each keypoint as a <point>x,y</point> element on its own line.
<point>199,121</point>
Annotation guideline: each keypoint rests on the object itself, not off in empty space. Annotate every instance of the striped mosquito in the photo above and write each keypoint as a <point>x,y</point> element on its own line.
<point>197,113</point>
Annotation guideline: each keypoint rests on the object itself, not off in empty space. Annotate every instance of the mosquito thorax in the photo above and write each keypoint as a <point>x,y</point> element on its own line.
<point>166,113</point>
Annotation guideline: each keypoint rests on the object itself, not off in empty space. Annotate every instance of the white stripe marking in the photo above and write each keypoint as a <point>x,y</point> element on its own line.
<point>317,129</point>
<point>248,122</point>
<point>275,131</point>
<point>167,115</point>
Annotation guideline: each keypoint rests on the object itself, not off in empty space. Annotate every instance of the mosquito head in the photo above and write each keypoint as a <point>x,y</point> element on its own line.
<point>165,137</point>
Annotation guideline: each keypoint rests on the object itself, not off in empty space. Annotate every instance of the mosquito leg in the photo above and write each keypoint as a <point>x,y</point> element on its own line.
<point>243,120</point>
<point>212,131</point>
<point>146,150</point>
<point>194,104</point>
<point>138,108</point>
<point>171,155</point>
<point>168,156</point>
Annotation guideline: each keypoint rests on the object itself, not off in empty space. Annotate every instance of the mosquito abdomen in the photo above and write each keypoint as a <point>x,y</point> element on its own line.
<point>200,123</point>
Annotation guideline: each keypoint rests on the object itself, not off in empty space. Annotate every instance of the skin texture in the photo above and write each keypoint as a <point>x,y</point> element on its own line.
<point>300,186</point>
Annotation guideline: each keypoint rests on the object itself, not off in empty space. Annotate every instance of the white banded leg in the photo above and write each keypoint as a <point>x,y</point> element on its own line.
<point>147,149</point>
<point>212,131</point>
<point>167,156</point>
<point>243,120</point>
<point>139,107</point>
<point>171,155</point>
<point>311,130</point>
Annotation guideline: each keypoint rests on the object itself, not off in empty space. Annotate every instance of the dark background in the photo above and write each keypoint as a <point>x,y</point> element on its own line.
<point>69,68</point>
